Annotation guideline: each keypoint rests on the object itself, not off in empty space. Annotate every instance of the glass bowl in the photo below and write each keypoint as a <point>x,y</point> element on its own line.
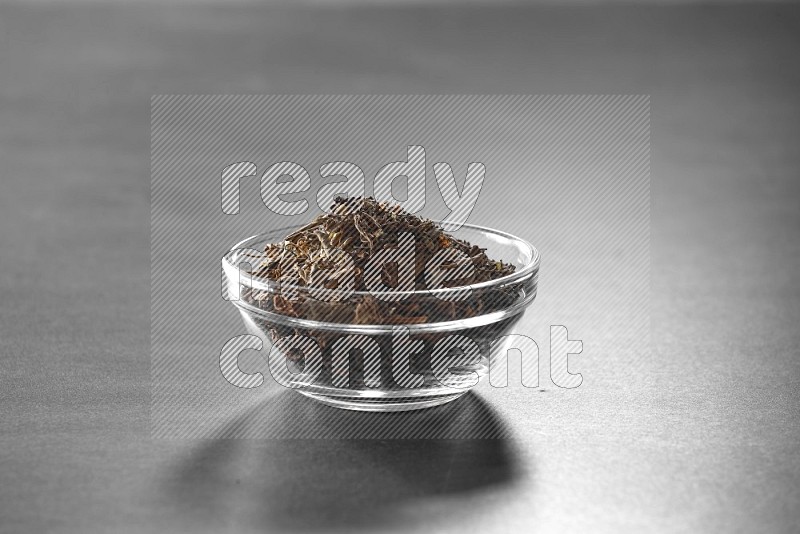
<point>328,348</point>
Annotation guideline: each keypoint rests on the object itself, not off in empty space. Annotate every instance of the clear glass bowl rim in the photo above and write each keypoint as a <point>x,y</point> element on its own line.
<point>528,270</point>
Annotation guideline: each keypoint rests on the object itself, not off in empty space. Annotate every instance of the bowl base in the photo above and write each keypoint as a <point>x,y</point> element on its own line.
<point>383,404</point>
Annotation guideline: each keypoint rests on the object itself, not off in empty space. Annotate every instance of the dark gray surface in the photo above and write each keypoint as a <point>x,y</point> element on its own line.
<point>701,437</point>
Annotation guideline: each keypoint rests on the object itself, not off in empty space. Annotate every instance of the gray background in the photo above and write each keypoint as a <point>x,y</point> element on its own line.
<point>703,439</point>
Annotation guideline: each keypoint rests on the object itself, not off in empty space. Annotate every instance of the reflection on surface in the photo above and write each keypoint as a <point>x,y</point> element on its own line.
<point>336,484</point>
<point>284,414</point>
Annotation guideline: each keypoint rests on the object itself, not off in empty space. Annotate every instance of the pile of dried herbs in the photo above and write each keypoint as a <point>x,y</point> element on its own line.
<point>360,228</point>
<point>341,244</point>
